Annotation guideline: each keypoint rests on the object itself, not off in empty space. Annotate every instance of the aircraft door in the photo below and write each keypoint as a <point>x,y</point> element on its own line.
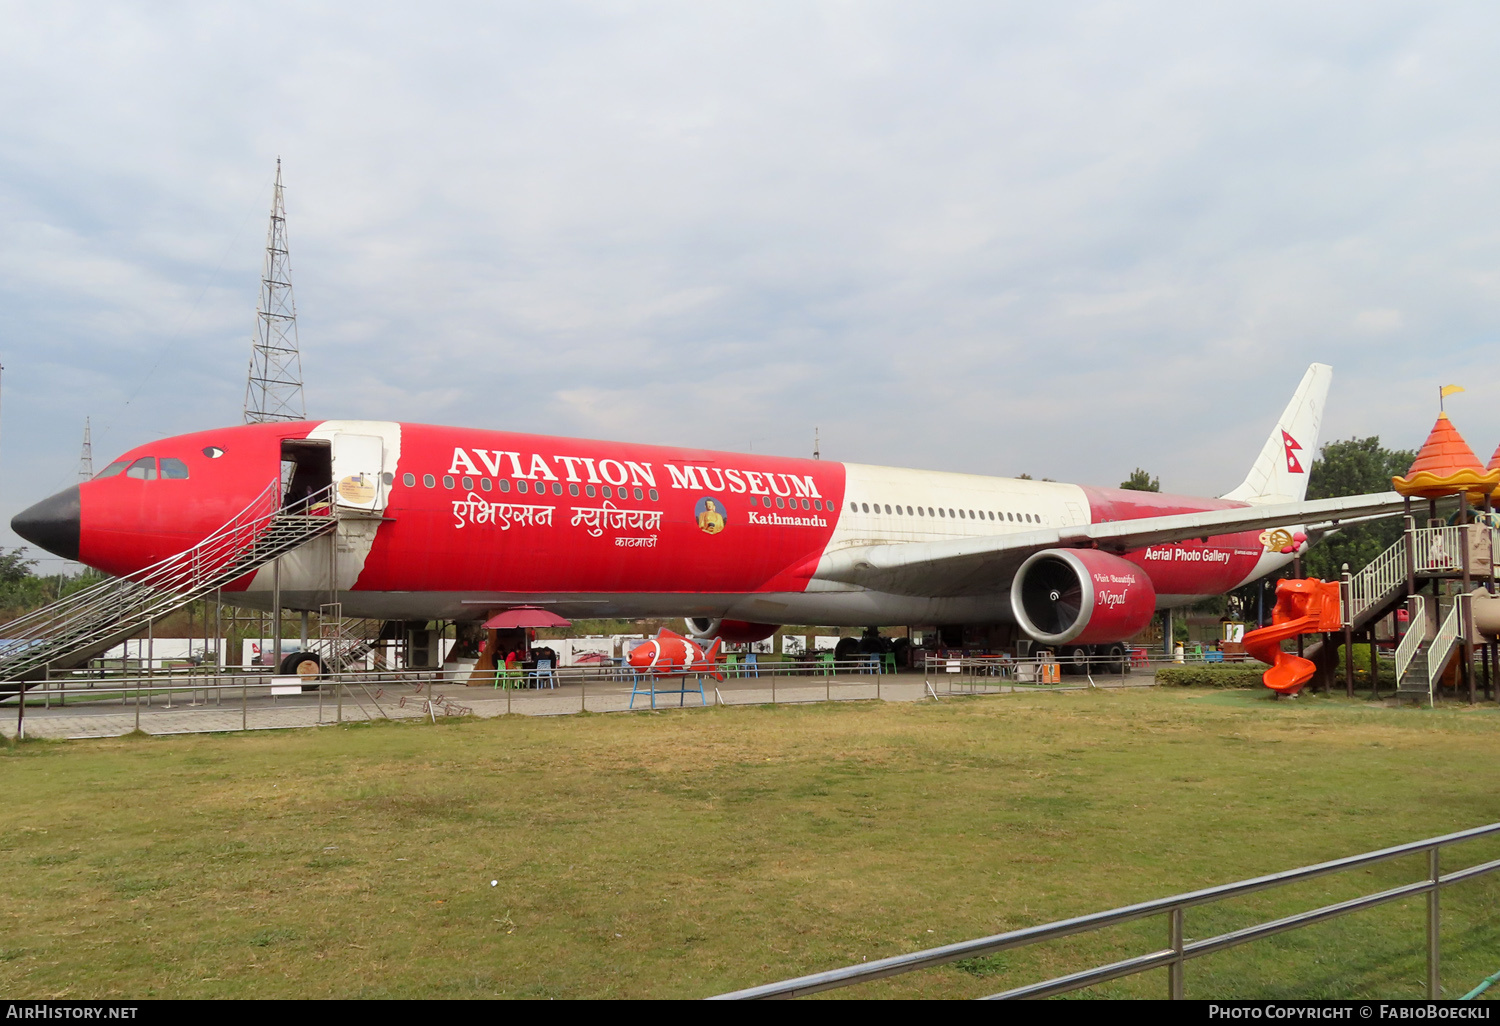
<point>306,470</point>
<point>358,463</point>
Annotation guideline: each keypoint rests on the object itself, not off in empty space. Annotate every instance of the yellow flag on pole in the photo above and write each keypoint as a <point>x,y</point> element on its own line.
<point>1450,389</point>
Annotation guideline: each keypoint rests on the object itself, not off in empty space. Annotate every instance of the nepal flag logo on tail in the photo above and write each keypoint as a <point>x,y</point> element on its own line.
<point>1289,444</point>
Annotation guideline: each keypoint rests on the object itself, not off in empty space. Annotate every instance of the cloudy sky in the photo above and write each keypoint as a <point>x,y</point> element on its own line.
<point>1064,239</point>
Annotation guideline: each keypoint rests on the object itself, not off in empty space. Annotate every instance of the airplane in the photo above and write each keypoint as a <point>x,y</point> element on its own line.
<point>444,523</point>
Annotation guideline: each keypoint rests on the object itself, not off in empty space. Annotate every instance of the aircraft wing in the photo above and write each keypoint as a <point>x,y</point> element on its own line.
<point>974,566</point>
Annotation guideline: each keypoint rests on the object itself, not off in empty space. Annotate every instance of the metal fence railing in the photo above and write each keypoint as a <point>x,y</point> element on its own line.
<point>119,703</point>
<point>1179,950</point>
<point>943,670</point>
<point>979,674</point>
<point>101,702</point>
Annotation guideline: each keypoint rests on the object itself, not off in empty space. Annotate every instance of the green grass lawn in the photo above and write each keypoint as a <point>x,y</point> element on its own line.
<point>681,854</point>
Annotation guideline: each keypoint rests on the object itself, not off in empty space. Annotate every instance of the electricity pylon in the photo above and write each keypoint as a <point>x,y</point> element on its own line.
<point>86,461</point>
<point>274,390</point>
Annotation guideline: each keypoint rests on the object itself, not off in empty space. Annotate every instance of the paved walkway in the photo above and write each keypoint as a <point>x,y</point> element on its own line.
<point>255,708</point>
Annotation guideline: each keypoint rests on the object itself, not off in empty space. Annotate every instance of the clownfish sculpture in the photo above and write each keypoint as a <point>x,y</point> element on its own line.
<point>670,654</point>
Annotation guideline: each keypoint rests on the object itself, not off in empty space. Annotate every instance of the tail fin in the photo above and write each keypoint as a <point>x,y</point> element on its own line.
<point>1280,472</point>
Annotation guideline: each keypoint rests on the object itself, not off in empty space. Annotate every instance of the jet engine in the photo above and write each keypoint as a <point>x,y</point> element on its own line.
<point>1081,595</point>
<point>734,632</point>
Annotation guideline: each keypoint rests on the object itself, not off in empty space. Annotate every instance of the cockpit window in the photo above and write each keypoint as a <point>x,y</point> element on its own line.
<point>143,469</point>
<point>111,470</point>
<point>173,470</point>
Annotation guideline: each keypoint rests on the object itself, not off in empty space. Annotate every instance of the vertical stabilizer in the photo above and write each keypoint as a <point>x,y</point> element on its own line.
<point>1280,472</point>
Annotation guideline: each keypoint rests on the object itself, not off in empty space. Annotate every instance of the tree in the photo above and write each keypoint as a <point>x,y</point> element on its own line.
<point>1355,466</point>
<point>14,567</point>
<point>22,591</point>
<point>1140,481</point>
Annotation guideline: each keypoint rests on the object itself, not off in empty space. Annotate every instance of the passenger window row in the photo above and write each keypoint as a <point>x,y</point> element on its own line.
<point>484,484</point>
<point>789,503</point>
<point>145,469</point>
<point>959,514</point>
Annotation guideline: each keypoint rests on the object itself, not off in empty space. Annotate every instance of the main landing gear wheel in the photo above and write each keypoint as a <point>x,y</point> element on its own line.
<point>1117,660</point>
<point>306,665</point>
<point>1075,659</point>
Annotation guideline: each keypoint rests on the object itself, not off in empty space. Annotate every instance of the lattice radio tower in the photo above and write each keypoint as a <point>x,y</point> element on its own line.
<point>86,460</point>
<point>274,390</point>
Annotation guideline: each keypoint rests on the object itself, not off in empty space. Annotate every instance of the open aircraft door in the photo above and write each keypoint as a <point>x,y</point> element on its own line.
<point>359,471</point>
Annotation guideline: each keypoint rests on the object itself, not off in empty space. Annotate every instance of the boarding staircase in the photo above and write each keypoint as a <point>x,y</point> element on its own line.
<point>83,625</point>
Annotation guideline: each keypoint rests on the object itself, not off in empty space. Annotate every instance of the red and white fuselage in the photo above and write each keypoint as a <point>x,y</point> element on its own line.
<point>459,521</point>
<point>440,523</point>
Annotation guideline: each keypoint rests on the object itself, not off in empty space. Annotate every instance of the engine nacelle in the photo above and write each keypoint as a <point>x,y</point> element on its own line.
<point>1081,595</point>
<point>734,632</point>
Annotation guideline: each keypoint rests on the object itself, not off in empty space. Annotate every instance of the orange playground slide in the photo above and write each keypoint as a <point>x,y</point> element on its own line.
<point>1302,607</point>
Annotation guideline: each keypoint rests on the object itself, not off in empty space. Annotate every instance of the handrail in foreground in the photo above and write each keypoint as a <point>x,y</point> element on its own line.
<point>1178,950</point>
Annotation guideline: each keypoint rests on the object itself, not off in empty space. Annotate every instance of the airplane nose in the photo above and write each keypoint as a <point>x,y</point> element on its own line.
<point>53,524</point>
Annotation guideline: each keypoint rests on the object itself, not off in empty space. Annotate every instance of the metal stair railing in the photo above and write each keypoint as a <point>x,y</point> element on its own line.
<point>1415,637</point>
<point>118,607</point>
<point>42,622</point>
<point>342,641</point>
<point>1443,644</point>
<point>363,634</point>
<point>1438,548</point>
<point>1377,583</point>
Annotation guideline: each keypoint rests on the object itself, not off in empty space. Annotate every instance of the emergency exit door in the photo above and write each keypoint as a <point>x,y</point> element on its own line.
<point>358,469</point>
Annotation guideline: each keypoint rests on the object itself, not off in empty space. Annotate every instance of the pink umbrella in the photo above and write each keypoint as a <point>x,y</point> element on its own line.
<point>526,616</point>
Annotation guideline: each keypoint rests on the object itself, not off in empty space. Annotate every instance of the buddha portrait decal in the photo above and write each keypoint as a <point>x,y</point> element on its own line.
<point>710,514</point>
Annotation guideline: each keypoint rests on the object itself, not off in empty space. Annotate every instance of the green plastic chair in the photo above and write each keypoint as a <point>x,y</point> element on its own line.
<point>731,664</point>
<point>505,678</point>
<point>825,663</point>
<point>888,663</point>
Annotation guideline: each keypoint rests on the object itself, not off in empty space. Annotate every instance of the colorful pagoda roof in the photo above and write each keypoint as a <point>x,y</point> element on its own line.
<point>1494,463</point>
<point>1445,465</point>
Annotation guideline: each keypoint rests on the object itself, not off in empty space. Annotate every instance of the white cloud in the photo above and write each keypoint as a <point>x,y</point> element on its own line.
<point>1379,321</point>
